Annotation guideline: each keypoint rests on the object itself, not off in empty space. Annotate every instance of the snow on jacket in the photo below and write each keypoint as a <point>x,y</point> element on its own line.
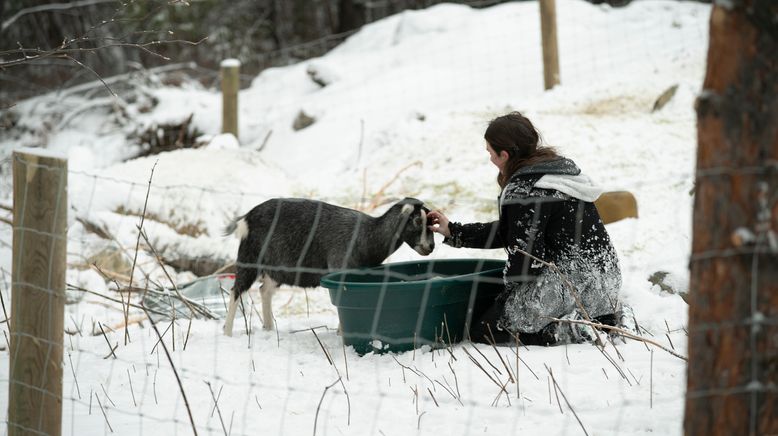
<point>547,210</point>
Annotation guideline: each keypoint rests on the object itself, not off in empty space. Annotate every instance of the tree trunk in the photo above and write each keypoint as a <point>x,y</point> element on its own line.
<point>351,15</point>
<point>733,312</point>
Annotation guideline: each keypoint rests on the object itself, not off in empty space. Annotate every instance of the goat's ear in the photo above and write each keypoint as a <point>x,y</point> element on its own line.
<point>406,211</point>
<point>405,214</point>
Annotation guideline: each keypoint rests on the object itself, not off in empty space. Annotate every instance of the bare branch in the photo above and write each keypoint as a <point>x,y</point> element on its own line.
<point>62,52</point>
<point>52,7</point>
<point>82,65</point>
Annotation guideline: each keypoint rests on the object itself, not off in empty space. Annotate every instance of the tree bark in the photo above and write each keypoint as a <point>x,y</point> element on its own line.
<point>733,312</point>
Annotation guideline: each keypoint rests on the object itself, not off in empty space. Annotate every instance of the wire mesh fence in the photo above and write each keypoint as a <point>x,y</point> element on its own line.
<point>144,352</point>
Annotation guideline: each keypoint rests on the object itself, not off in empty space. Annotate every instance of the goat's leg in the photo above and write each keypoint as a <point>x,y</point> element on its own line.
<point>232,308</point>
<point>244,278</point>
<point>267,290</point>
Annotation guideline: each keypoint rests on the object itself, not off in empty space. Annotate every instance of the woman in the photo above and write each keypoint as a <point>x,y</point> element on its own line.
<point>547,211</point>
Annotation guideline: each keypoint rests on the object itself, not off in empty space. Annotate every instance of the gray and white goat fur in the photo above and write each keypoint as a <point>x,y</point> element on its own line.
<point>295,242</point>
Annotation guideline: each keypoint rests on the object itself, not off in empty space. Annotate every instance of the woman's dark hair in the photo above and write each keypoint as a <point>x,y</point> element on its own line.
<point>515,134</point>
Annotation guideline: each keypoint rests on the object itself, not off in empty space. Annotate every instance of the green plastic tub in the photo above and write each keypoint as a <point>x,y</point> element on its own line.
<point>400,306</point>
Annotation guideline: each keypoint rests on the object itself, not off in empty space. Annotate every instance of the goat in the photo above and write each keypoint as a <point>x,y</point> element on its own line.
<point>295,242</point>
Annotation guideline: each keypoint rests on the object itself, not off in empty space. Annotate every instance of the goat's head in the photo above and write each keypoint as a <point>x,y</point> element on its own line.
<point>413,226</point>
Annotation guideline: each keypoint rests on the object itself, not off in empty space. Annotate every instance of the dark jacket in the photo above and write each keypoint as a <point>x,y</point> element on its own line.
<point>547,210</point>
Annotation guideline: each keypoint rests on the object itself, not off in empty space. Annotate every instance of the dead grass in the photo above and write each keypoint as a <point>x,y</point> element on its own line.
<point>194,230</point>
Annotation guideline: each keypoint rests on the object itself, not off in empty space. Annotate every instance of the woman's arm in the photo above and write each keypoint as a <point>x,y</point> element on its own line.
<point>475,235</point>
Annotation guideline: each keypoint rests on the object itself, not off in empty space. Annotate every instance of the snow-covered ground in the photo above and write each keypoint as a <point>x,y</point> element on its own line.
<point>406,97</point>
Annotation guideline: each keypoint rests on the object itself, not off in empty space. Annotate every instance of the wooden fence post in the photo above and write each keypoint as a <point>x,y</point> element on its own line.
<point>550,46</point>
<point>230,75</point>
<point>37,292</point>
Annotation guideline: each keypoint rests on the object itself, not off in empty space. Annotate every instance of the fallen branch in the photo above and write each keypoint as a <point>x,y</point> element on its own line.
<point>76,288</point>
<point>102,232</point>
<point>112,276</point>
<point>622,332</point>
<point>132,321</point>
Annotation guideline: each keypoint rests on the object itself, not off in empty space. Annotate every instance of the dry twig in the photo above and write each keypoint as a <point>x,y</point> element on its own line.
<point>316,418</point>
<point>216,406</point>
<point>494,347</point>
<point>131,390</point>
<point>77,288</point>
<point>379,195</point>
<point>154,324</point>
<point>569,406</point>
<point>323,349</point>
<point>109,344</point>
<point>104,414</point>
<point>622,332</point>
<point>478,364</point>
<point>73,370</point>
<point>137,247</point>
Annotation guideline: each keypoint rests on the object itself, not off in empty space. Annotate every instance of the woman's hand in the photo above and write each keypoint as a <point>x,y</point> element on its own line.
<point>438,223</point>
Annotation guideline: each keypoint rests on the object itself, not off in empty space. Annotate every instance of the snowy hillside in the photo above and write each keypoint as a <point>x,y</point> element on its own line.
<point>402,113</point>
